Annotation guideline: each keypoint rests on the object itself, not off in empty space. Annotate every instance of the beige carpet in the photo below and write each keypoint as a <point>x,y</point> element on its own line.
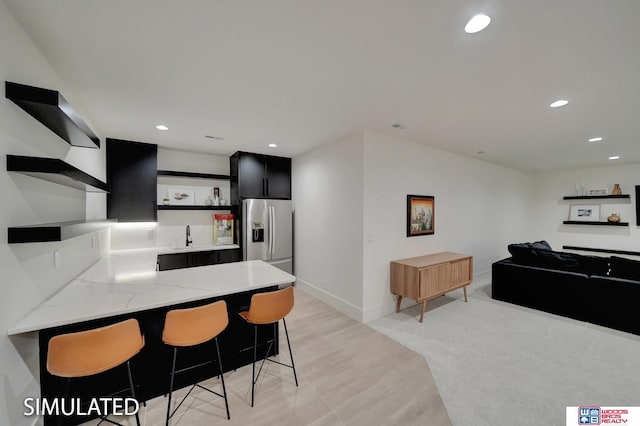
<point>496,364</point>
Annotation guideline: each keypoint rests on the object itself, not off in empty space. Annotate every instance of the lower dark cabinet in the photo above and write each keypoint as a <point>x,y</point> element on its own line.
<point>197,258</point>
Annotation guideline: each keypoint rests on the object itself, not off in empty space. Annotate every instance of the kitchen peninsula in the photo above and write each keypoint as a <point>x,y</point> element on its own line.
<point>125,284</point>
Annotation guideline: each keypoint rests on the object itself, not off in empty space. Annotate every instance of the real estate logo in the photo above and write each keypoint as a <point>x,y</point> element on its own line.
<point>594,415</point>
<point>589,416</point>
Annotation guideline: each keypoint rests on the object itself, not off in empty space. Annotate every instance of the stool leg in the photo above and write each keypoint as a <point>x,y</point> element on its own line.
<point>224,389</point>
<point>286,332</point>
<point>255,354</point>
<point>133,391</point>
<point>173,371</point>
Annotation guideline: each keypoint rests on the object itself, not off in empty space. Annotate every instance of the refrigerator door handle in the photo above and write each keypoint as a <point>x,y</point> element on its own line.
<point>273,229</point>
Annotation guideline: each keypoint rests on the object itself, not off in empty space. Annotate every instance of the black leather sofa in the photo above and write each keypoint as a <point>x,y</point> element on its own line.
<point>595,289</point>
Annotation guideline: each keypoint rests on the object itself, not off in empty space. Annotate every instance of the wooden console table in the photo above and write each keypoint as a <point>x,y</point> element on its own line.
<point>426,277</point>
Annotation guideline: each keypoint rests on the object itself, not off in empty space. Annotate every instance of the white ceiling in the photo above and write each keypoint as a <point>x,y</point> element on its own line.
<point>301,73</point>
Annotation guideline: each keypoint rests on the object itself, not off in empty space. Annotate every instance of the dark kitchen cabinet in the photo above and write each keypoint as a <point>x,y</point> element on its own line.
<point>197,258</point>
<point>132,169</point>
<point>259,176</point>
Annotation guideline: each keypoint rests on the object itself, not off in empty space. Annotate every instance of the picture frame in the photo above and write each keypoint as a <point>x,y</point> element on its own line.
<point>180,196</point>
<point>597,192</point>
<point>585,213</point>
<point>420,215</point>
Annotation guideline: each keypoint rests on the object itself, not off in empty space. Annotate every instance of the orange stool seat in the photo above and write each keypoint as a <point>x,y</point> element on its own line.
<point>190,327</point>
<point>86,353</point>
<point>269,308</point>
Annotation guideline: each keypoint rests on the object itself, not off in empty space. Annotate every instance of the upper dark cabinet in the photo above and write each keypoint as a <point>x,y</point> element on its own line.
<point>132,169</point>
<point>51,109</point>
<point>259,176</point>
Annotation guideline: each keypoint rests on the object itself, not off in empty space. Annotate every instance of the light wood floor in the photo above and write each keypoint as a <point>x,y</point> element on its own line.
<point>348,373</point>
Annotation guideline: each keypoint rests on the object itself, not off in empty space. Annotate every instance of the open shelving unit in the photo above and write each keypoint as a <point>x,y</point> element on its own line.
<point>598,197</point>
<point>580,222</point>
<point>56,171</point>
<point>170,207</point>
<point>51,109</point>
<point>54,231</point>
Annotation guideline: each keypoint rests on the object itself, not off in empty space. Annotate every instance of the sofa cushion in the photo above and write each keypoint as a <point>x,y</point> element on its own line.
<point>526,253</point>
<point>558,260</point>
<point>625,268</point>
<point>594,265</point>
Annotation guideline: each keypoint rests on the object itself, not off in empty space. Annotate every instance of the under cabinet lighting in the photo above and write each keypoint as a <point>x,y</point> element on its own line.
<point>559,103</point>
<point>477,23</point>
<point>598,139</point>
<point>162,127</point>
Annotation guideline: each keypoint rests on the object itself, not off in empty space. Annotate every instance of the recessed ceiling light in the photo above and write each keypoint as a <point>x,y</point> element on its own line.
<point>480,152</point>
<point>614,157</point>
<point>598,139</point>
<point>477,23</point>
<point>217,138</point>
<point>272,145</point>
<point>559,103</point>
<point>162,127</point>
<point>397,126</point>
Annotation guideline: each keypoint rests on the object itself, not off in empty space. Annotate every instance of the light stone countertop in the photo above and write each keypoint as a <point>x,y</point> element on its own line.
<point>127,281</point>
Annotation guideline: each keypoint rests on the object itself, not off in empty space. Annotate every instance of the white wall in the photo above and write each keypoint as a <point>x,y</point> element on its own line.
<point>479,209</point>
<point>550,210</point>
<point>28,273</point>
<point>327,189</point>
<point>169,231</point>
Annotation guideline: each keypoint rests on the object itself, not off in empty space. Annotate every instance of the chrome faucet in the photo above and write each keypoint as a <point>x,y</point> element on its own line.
<point>189,240</point>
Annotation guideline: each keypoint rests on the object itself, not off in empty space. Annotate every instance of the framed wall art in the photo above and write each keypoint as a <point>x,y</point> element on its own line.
<point>181,196</point>
<point>420,215</point>
<point>585,213</point>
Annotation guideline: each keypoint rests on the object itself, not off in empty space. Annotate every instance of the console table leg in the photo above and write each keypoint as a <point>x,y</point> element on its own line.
<point>398,304</point>
<point>465,292</point>
<point>424,304</point>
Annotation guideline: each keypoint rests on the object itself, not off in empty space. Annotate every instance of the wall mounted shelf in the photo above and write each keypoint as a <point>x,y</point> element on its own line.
<point>55,170</point>
<point>192,175</point>
<point>599,250</point>
<point>54,231</point>
<point>163,207</point>
<point>50,108</point>
<point>597,197</point>
<point>579,222</point>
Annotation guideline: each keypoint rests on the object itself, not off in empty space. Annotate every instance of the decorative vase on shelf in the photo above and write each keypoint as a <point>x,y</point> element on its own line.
<point>616,189</point>
<point>165,201</point>
<point>614,218</point>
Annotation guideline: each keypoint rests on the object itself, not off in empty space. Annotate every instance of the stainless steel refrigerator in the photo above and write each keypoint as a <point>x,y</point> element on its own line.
<point>268,232</point>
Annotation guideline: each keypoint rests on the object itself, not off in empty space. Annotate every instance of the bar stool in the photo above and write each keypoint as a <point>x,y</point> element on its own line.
<point>90,352</point>
<point>269,308</point>
<point>190,327</point>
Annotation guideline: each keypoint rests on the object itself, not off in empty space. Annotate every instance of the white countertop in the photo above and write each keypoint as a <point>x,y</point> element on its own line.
<point>127,281</point>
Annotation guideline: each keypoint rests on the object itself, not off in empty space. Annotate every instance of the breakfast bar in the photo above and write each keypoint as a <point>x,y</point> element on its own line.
<point>126,284</point>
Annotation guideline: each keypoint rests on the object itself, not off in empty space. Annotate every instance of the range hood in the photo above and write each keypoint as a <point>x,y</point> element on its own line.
<point>50,108</point>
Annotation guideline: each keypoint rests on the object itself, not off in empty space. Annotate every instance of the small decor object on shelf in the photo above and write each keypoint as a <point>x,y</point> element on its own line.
<point>166,201</point>
<point>614,218</point>
<point>223,228</point>
<point>208,201</point>
<point>420,215</point>
<point>616,189</point>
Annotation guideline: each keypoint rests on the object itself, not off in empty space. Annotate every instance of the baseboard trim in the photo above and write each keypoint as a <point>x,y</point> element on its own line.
<point>343,306</point>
